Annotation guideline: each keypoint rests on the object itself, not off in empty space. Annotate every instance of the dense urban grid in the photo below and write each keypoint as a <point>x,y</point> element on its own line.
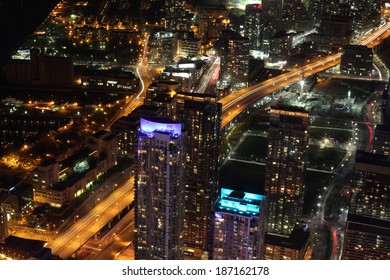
<point>185,129</point>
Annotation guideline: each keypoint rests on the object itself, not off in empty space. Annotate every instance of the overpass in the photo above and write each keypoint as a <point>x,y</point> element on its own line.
<point>68,242</point>
<point>237,102</point>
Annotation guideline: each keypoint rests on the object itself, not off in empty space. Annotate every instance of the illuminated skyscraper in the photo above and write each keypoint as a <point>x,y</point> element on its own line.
<point>177,16</point>
<point>234,54</point>
<point>239,220</point>
<point>202,122</point>
<point>254,27</point>
<point>212,20</point>
<point>366,13</point>
<point>319,8</point>
<point>285,168</point>
<point>272,11</point>
<point>371,186</point>
<point>367,234</point>
<point>159,202</point>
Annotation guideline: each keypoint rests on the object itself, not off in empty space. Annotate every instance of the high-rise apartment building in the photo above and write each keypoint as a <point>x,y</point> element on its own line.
<point>367,234</point>
<point>159,189</point>
<point>163,47</point>
<point>295,16</point>
<point>272,13</point>
<point>371,186</point>
<point>177,16</point>
<point>366,13</point>
<point>161,94</point>
<point>285,168</point>
<point>319,8</point>
<point>254,28</point>
<point>239,219</point>
<point>202,122</point>
<point>212,20</point>
<point>234,54</point>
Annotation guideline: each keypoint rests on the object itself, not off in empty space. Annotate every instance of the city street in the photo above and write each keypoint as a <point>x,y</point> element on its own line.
<point>87,226</point>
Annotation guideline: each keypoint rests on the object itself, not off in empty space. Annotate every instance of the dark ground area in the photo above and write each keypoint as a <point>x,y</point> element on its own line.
<point>18,19</point>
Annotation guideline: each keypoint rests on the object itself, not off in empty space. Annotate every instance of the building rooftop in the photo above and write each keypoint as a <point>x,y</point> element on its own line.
<point>79,155</point>
<point>358,48</point>
<point>282,34</point>
<point>297,239</point>
<point>194,95</point>
<point>48,161</point>
<point>368,224</point>
<point>111,73</point>
<point>157,124</point>
<point>27,248</point>
<point>381,127</point>
<point>240,203</point>
<point>80,169</point>
<point>372,159</point>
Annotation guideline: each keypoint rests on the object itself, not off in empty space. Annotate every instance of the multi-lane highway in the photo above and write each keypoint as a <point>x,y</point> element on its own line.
<point>237,102</point>
<point>146,79</point>
<point>84,229</point>
<point>210,78</point>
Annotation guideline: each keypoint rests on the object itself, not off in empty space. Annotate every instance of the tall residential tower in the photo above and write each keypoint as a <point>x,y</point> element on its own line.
<point>254,28</point>
<point>367,234</point>
<point>239,220</point>
<point>202,122</point>
<point>159,188</point>
<point>285,168</point>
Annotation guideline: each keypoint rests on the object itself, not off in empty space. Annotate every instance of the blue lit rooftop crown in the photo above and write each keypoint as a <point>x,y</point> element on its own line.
<point>240,202</point>
<point>149,125</point>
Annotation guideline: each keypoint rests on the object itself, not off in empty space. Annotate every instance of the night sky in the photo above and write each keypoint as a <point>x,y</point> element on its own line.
<point>18,19</point>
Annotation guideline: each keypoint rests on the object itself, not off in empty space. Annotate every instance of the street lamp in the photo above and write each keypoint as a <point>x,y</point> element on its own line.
<point>302,83</point>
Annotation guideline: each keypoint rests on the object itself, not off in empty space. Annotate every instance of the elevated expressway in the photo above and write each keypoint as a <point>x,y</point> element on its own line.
<point>237,102</point>
<point>66,243</point>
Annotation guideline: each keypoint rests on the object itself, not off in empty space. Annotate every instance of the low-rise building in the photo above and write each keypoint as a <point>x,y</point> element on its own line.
<point>111,79</point>
<point>40,70</point>
<point>16,248</point>
<point>59,183</point>
<point>293,247</point>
